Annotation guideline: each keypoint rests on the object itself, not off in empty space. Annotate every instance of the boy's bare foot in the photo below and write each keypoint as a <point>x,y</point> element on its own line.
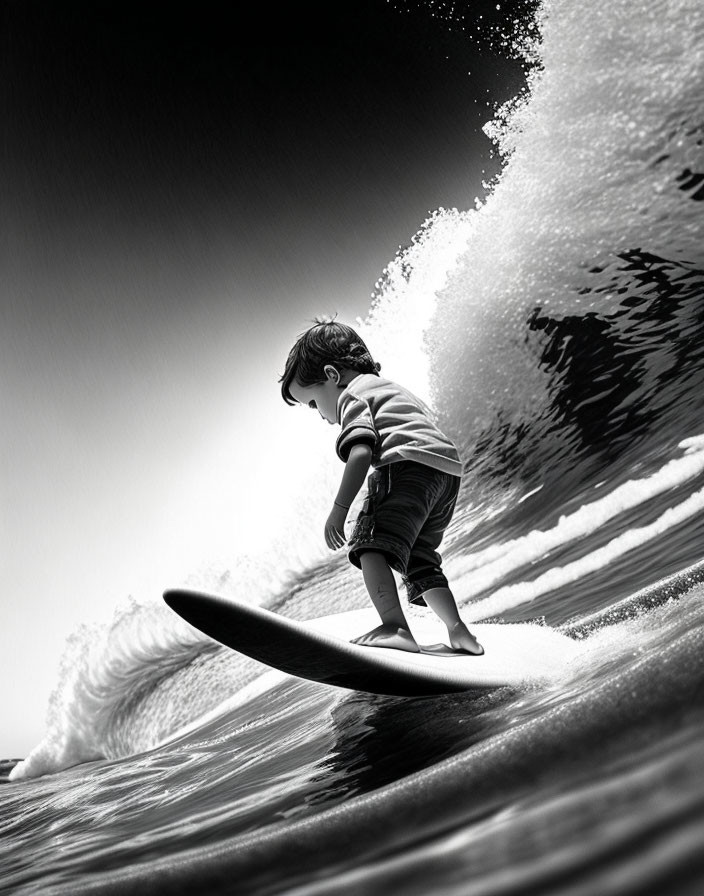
<point>463,641</point>
<point>394,636</point>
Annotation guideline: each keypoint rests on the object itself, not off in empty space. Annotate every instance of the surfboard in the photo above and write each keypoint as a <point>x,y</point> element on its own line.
<point>320,649</point>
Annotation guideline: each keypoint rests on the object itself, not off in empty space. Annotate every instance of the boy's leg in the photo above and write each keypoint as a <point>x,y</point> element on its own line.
<point>381,585</point>
<point>425,580</point>
<point>442,602</point>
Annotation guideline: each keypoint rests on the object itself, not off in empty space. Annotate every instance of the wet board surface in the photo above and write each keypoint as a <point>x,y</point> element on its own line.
<point>320,649</point>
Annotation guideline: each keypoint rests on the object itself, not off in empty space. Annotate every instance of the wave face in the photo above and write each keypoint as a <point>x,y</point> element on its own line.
<point>558,331</point>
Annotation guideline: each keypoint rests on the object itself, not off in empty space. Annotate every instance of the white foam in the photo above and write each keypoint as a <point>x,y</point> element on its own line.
<point>513,596</point>
<point>476,572</point>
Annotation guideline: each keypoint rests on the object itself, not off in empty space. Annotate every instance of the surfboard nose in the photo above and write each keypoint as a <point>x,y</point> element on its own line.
<point>172,598</point>
<point>209,613</point>
<point>186,605</point>
<point>176,600</point>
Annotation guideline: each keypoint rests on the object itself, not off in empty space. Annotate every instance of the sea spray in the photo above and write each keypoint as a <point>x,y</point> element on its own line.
<point>404,301</point>
<point>102,665</point>
<point>104,669</point>
<point>593,154</point>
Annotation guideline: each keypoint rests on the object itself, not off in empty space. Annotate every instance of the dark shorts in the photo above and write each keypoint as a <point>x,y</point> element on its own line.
<point>405,514</point>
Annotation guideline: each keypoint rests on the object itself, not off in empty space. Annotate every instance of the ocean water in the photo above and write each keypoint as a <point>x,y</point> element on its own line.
<point>559,334</point>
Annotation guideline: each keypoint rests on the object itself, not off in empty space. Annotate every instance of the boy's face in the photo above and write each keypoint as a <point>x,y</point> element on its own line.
<point>321,397</point>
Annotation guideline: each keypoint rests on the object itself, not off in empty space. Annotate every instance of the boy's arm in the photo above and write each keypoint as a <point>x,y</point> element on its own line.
<point>356,469</point>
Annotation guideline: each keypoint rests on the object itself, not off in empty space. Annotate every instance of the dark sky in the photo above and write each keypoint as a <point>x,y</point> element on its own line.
<point>296,128</point>
<point>171,166</point>
<point>183,187</point>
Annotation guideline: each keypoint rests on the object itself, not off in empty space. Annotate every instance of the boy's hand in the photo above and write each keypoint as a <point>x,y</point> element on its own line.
<point>335,528</point>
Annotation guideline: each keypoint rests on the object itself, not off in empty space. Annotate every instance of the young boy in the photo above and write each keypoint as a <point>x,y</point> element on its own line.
<point>412,491</point>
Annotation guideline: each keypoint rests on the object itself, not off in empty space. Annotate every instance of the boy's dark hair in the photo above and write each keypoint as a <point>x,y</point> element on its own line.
<point>327,342</point>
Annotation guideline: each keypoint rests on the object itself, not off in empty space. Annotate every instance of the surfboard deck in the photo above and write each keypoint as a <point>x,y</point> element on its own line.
<point>320,649</point>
